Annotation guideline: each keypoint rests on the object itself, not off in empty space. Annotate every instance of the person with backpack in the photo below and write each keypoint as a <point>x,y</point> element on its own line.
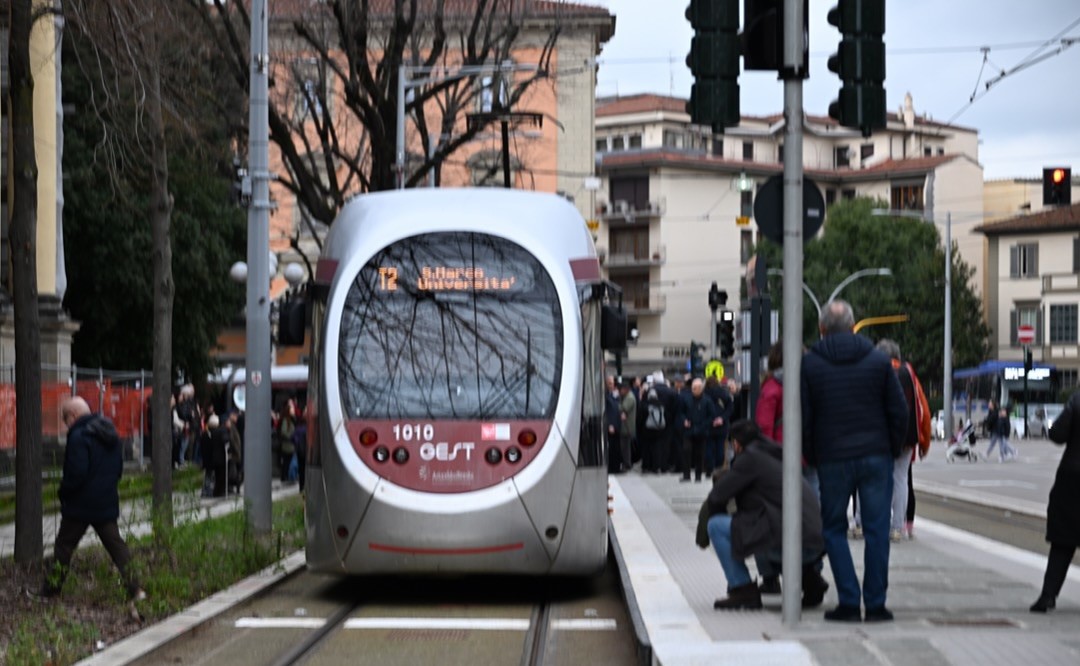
<point>651,436</point>
<point>93,465</point>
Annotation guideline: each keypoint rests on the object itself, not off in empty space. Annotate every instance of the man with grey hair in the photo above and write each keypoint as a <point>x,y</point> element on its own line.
<point>854,420</point>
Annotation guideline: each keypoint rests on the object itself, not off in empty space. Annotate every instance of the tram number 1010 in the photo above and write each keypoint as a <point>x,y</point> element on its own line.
<point>409,432</point>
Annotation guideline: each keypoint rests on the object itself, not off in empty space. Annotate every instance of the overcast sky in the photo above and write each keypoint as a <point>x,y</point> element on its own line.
<point>1028,120</point>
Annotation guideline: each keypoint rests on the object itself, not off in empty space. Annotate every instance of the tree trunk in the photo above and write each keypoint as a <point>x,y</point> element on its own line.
<point>160,221</point>
<point>23,236</point>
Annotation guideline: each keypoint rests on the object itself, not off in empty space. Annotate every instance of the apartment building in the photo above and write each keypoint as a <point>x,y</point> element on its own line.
<point>672,193</point>
<point>1033,273</point>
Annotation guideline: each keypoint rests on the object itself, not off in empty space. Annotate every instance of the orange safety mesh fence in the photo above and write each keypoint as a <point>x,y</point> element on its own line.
<point>122,404</point>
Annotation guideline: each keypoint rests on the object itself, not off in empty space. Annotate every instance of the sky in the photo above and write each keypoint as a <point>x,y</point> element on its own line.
<point>1028,120</point>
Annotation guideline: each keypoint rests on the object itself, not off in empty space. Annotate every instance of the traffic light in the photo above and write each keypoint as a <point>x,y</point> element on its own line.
<point>1057,186</point>
<point>860,62</point>
<point>714,62</point>
<point>697,359</point>
<point>726,334</point>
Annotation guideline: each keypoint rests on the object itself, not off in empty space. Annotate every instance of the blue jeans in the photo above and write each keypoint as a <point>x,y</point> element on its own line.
<point>720,536</point>
<point>872,478</point>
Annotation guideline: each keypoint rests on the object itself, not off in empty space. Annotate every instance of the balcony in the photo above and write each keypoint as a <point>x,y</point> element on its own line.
<point>644,303</point>
<point>614,261</point>
<point>626,212</point>
<point>1060,283</point>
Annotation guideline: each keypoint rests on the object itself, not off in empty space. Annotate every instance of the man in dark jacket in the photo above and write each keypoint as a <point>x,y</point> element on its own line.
<point>700,416</point>
<point>93,464</point>
<point>756,482</point>
<point>854,420</point>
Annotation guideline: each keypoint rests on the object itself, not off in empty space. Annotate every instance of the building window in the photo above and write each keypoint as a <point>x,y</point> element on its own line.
<point>673,139</point>
<point>866,151</point>
<point>618,143</point>
<point>718,147</point>
<point>830,196</point>
<point>780,153</point>
<point>1026,314</point>
<point>1063,324</point>
<point>748,151</point>
<point>634,190</point>
<point>746,246</point>
<point>843,157</point>
<point>601,145</point>
<point>928,151</point>
<point>746,208</point>
<point>907,197</point>
<point>629,244</point>
<point>1024,260</point>
<point>940,151</point>
<point>635,141</point>
<point>847,194</point>
<point>1068,379</point>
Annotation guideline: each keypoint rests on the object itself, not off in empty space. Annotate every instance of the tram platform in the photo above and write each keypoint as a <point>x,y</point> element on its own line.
<point>959,599</point>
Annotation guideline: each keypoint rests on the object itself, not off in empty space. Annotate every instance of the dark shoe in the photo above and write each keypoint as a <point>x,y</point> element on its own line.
<point>770,585</point>
<point>814,587</point>
<point>685,479</point>
<point>744,597</point>
<point>844,614</point>
<point>878,615</point>
<point>1043,604</point>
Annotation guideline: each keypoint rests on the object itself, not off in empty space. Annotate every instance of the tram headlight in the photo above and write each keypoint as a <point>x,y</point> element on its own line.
<point>401,455</point>
<point>513,454</point>
<point>368,436</point>
<point>493,456</point>
<point>382,454</point>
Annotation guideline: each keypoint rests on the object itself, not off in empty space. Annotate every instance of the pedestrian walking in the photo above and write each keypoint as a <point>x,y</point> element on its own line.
<point>1063,509</point>
<point>627,424</point>
<point>1001,428</point>
<point>700,416</point>
<point>854,421</point>
<point>93,465</point>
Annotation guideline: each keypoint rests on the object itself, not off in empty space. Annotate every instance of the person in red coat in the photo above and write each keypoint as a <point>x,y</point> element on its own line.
<point>769,413</point>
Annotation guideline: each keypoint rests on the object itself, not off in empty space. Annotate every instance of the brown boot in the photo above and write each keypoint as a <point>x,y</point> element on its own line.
<point>744,597</point>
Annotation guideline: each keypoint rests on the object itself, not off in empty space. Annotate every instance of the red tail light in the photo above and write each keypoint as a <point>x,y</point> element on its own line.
<point>368,437</point>
<point>526,437</point>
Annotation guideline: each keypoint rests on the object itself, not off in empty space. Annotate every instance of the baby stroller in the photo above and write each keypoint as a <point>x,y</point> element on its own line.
<point>962,444</point>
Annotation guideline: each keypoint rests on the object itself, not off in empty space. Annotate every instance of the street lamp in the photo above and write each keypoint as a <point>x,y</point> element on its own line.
<point>866,272</point>
<point>947,360</point>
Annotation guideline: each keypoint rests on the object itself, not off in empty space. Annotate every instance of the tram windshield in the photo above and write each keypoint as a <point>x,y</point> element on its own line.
<point>452,325</point>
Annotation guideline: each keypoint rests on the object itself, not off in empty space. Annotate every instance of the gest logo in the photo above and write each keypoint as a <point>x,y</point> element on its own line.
<point>442,451</point>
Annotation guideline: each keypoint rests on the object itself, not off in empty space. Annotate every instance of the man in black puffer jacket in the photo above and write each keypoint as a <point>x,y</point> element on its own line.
<point>93,464</point>
<point>854,418</point>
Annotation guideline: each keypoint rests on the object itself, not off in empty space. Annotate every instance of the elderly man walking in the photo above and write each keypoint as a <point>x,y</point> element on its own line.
<point>854,422</point>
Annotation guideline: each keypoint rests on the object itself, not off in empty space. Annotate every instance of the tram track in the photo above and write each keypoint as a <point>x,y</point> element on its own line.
<point>316,620</point>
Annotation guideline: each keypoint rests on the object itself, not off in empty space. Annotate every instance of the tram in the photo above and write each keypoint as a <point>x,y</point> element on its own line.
<point>456,389</point>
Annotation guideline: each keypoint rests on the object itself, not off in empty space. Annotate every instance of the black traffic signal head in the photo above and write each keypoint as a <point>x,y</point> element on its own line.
<point>697,359</point>
<point>1057,186</point>
<point>727,334</point>
<point>714,62</point>
<point>860,63</point>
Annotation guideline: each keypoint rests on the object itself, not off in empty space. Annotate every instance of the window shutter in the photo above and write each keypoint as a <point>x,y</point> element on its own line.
<point>1014,262</point>
<point>1040,312</point>
<point>1076,255</point>
<point>1033,261</point>
<point>1012,327</point>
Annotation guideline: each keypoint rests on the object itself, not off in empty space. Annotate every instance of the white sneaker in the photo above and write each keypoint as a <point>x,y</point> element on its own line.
<point>896,535</point>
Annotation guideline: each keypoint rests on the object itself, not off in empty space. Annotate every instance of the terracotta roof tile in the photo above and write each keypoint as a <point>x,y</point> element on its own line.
<point>1063,218</point>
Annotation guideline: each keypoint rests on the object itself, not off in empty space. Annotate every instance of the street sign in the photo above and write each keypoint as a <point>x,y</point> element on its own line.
<point>769,208</point>
<point>1025,334</point>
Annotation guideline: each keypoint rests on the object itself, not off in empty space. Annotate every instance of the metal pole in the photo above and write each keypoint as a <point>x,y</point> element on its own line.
<point>947,360</point>
<point>712,336</point>
<point>506,152</point>
<point>792,74</point>
<point>257,432</point>
<point>399,165</point>
<point>142,417</point>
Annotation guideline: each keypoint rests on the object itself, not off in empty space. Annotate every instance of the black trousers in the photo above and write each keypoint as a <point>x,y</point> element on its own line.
<point>693,456</point>
<point>67,540</point>
<point>1057,568</point>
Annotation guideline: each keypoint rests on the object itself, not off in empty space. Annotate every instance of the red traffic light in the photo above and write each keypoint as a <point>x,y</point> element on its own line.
<point>1058,176</point>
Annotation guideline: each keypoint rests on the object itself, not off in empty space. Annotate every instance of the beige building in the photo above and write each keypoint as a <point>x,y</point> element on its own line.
<point>57,329</point>
<point>671,193</point>
<point>1033,271</point>
<point>1013,197</point>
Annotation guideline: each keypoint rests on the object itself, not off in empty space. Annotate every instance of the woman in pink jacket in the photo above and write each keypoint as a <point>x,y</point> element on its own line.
<point>769,413</point>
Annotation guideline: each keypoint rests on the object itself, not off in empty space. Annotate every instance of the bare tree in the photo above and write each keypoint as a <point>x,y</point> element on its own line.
<point>142,79</point>
<point>333,111</point>
<point>29,547</point>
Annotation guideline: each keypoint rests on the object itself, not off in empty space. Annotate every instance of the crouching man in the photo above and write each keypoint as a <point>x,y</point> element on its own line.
<point>755,481</point>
